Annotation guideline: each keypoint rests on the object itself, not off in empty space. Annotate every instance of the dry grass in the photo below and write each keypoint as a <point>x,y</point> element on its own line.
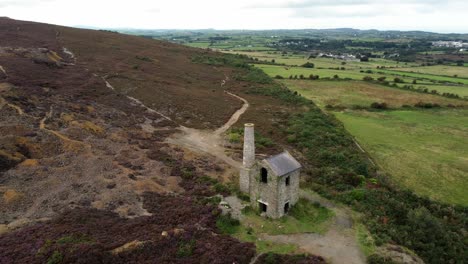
<point>11,196</point>
<point>30,163</point>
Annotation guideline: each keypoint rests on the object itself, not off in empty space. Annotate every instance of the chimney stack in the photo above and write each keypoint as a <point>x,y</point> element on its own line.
<point>249,146</point>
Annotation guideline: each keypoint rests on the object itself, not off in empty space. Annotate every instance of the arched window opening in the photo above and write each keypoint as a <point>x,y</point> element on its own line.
<point>264,175</point>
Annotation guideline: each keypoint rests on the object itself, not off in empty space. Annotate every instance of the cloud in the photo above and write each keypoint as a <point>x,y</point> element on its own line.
<point>342,3</point>
<point>433,15</point>
<point>22,3</point>
<point>355,8</point>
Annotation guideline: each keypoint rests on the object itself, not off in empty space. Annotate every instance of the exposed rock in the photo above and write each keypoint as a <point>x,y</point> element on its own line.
<point>397,254</point>
<point>127,247</point>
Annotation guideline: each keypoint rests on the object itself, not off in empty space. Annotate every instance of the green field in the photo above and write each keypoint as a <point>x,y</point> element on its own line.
<point>425,77</point>
<point>422,80</point>
<point>430,77</point>
<point>425,151</point>
<point>286,71</point>
<point>444,70</point>
<point>350,94</point>
<point>299,59</point>
<point>461,90</point>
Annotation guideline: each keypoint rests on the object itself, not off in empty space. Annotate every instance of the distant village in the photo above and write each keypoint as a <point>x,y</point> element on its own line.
<point>450,44</point>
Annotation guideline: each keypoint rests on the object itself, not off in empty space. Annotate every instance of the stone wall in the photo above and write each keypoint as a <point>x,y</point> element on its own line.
<point>274,193</point>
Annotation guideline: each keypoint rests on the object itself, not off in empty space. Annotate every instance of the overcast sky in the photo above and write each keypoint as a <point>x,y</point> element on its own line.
<point>428,15</point>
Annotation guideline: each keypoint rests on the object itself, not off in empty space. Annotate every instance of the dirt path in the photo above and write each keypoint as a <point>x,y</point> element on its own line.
<point>235,117</point>
<point>209,142</point>
<point>337,245</point>
<point>138,102</point>
<point>3,70</point>
<point>4,102</point>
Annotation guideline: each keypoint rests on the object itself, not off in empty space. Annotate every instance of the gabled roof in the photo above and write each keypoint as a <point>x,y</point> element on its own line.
<point>283,163</point>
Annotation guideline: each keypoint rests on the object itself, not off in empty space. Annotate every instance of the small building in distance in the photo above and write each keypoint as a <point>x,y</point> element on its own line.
<point>272,183</point>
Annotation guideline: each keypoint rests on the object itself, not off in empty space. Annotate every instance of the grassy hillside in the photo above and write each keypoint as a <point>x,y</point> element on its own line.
<point>424,151</point>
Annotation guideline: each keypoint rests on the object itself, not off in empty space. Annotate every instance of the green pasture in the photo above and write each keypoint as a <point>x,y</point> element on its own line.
<point>461,90</point>
<point>425,151</point>
<point>424,77</point>
<point>443,70</point>
<point>286,71</point>
<point>351,94</point>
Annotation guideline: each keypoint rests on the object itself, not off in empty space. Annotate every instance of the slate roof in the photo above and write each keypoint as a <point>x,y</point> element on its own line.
<point>283,163</point>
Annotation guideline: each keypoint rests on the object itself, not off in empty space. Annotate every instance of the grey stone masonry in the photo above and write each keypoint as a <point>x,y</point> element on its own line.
<point>248,159</point>
<point>272,183</point>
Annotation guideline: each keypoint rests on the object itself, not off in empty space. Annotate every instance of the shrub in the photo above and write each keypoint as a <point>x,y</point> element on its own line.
<point>377,105</point>
<point>144,58</point>
<point>308,65</point>
<point>279,77</point>
<point>185,248</point>
<point>426,105</point>
<point>398,80</point>
<point>227,225</point>
<point>367,78</point>
<point>234,137</point>
<point>56,258</point>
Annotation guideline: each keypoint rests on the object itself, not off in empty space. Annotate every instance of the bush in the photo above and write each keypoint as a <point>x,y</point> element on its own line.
<point>279,77</point>
<point>367,78</point>
<point>144,58</point>
<point>185,248</point>
<point>227,225</point>
<point>426,105</point>
<point>308,65</point>
<point>377,105</point>
<point>234,137</point>
<point>398,80</point>
<point>56,258</point>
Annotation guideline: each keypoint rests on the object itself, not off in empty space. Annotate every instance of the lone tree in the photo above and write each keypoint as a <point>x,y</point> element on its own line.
<point>308,65</point>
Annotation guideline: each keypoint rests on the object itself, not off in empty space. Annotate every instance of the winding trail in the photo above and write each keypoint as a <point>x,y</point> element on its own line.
<point>204,141</point>
<point>138,102</point>
<point>235,117</point>
<point>207,141</point>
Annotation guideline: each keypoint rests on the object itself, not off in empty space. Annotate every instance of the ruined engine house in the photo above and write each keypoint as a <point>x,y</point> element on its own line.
<point>272,183</point>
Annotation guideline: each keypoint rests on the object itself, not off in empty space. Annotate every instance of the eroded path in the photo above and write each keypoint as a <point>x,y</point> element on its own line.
<point>201,141</point>
<point>235,117</point>
<point>210,142</point>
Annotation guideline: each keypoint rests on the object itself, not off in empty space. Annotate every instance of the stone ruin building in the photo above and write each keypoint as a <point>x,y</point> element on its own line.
<point>272,183</point>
